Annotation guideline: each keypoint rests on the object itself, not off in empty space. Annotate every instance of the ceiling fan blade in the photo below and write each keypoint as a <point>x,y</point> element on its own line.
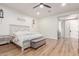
<point>37,5</point>
<point>47,6</point>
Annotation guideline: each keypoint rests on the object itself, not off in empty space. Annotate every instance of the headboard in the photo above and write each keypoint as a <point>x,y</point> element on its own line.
<point>15,28</point>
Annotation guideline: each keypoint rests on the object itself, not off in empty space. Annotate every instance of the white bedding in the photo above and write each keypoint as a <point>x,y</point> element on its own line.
<point>22,36</point>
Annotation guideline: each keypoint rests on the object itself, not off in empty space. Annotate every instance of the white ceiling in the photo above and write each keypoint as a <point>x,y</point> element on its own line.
<point>27,8</point>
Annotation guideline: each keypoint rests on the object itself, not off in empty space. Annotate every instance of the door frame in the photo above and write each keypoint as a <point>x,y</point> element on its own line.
<point>59,19</point>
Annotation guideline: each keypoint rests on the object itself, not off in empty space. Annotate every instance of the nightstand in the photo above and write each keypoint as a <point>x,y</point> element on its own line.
<point>5,39</point>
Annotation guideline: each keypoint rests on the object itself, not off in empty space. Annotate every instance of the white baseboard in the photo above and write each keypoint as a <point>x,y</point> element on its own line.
<point>51,37</point>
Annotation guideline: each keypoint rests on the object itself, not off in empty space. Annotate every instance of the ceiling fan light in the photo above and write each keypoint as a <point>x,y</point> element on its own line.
<point>63,4</point>
<point>41,6</point>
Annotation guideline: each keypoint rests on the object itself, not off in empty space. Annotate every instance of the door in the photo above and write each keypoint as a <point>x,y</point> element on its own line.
<point>74,29</point>
<point>67,29</point>
<point>71,29</point>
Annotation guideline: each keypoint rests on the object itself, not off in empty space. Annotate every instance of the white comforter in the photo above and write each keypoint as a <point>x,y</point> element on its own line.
<point>22,36</point>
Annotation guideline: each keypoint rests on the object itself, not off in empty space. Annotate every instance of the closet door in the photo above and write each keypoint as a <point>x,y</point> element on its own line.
<point>74,29</point>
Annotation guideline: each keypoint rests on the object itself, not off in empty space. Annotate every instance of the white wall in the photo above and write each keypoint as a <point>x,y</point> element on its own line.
<point>48,26</point>
<point>35,26</point>
<point>11,17</point>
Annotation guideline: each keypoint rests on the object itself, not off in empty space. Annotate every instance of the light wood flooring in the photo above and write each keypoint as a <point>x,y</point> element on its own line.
<point>61,47</point>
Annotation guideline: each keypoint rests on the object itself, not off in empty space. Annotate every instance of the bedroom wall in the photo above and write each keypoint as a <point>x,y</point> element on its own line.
<point>11,17</point>
<point>48,26</point>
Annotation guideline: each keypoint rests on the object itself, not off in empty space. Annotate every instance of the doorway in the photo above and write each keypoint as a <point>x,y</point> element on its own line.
<point>69,31</point>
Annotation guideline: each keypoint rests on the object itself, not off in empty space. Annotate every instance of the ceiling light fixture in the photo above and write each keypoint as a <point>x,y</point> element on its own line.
<point>38,13</point>
<point>41,6</point>
<point>63,4</point>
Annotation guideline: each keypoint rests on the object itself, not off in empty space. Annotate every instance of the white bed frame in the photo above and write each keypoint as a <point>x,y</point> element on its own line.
<point>15,28</point>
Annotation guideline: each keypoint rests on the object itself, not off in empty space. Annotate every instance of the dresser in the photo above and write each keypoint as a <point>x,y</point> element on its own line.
<point>5,39</point>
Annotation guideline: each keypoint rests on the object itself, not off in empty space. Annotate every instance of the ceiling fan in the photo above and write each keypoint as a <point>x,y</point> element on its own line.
<point>42,4</point>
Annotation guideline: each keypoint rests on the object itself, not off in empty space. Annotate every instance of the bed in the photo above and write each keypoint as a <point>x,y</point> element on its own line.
<point>23,36</point>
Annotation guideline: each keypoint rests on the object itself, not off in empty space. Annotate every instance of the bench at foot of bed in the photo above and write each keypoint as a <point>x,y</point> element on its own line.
<point>38,42</point>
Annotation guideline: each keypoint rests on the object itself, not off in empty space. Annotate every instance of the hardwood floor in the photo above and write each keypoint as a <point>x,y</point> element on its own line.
<point>61,47</point>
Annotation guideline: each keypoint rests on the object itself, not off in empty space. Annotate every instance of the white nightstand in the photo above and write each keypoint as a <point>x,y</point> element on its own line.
<point>5,39</point>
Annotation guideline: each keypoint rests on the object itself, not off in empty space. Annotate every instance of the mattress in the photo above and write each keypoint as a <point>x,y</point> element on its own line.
<point>28,37</point>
